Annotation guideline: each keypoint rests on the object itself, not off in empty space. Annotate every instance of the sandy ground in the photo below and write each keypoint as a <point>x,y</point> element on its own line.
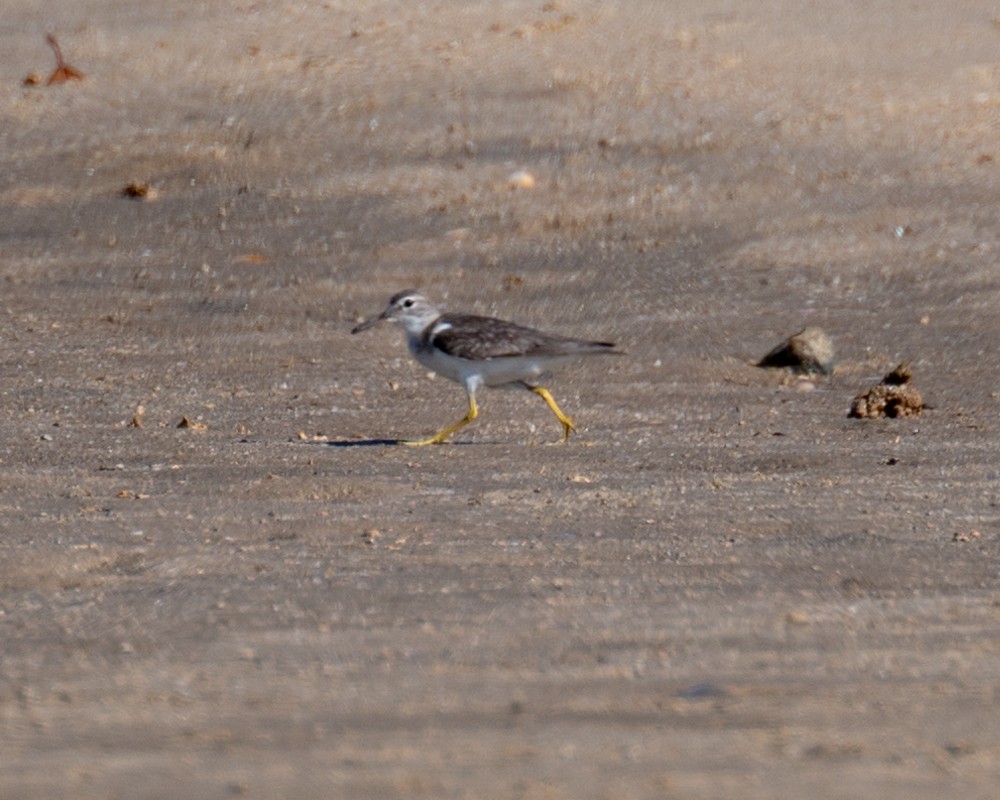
<point>722,587</point>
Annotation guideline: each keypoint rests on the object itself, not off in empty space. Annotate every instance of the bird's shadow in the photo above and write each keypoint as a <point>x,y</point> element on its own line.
<point>355,442</point>
<point>367,443</point>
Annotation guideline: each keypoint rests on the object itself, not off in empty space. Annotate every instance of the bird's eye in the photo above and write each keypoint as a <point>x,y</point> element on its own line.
<point>408,302</point>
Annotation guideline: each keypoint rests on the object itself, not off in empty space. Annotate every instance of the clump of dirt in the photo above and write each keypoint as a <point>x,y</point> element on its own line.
<point>139,190</point>
<point>893,396</point>
<point>809,351</point>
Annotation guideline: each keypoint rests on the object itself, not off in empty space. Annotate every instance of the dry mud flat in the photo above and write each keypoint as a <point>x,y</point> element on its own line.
<point>722,587</point>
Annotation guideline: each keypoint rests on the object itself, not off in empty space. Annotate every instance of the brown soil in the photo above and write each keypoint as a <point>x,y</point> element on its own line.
<point>720,587</point>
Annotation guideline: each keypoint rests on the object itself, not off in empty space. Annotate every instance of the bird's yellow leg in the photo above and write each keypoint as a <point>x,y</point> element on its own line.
<point>567,423</point>
<point>439,437</point>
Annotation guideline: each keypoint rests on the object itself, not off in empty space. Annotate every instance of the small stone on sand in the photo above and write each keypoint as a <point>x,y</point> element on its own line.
<point>809,351</point>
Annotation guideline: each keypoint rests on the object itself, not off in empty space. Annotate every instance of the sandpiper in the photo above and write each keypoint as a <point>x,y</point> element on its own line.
<point>481,351</point>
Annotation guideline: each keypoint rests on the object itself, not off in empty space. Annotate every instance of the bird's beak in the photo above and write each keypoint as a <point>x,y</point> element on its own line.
<point>370,323</point>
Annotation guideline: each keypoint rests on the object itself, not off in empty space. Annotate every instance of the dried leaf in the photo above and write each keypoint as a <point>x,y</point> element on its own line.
<point>63,71</point>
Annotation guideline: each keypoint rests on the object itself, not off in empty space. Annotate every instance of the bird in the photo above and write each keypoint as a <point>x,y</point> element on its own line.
<point>480,351</point>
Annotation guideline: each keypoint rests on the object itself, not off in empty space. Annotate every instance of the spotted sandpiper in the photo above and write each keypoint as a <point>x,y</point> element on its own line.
<point>481,351</point>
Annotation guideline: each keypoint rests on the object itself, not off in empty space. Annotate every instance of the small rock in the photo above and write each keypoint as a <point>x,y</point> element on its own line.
<point>138,190</point>
<point>892,397</point>
<point>960,748</point>
<point>194,425</point>
<point>809,351</point>
<point>522,179</point>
